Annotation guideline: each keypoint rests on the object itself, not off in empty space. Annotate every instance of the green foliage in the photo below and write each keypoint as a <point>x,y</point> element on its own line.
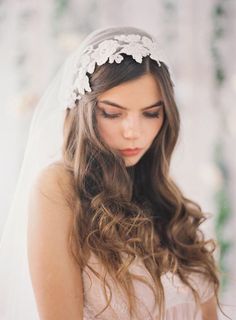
<point>223,215</point>
<point>60,7</point>
<point>169,5</point>
<point>219,15</point>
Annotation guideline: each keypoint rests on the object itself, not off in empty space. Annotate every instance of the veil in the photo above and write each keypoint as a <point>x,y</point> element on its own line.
<point>44,145</point>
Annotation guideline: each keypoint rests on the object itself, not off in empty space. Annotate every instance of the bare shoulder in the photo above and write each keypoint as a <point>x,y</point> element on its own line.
<point>55,174</point>
<point>51,201</point>
<point>55,276</point>
<point>58,170</point>
<point>56,182</point>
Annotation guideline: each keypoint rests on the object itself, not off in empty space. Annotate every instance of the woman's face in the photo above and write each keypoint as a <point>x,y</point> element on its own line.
<point>129,116</point>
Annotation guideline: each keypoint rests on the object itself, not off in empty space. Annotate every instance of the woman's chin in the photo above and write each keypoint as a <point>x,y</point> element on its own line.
<point>131,161</point>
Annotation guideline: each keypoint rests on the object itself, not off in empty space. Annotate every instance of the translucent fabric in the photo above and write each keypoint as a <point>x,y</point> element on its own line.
<point>180,304</point>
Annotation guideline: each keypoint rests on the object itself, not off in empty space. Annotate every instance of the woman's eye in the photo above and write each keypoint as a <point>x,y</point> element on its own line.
<point>152,114</point>
<point>109,115</point>
<point>105,114</point>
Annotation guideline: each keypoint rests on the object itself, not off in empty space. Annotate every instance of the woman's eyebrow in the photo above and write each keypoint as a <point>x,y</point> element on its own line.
<point>110,103</point>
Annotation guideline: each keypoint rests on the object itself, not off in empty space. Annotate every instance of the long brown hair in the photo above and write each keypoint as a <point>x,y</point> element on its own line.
<point>147,214</point>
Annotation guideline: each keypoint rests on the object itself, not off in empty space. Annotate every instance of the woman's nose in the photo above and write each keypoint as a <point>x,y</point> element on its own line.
<point>132,128</point>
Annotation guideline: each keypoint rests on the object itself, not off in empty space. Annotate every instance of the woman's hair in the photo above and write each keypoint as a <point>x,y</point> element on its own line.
<point>123,212</point>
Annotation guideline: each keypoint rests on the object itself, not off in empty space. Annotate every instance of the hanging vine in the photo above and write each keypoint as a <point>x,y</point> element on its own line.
<point>224,213</point>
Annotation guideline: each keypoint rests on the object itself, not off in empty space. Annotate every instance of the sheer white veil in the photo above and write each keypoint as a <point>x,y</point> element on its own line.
<point>44,144</point>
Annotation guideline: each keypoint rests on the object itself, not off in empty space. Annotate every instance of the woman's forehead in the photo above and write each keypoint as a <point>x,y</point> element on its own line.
<point>143,92</point>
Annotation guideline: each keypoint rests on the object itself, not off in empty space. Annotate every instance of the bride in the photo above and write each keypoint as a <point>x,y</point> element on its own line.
<point>98,229</point>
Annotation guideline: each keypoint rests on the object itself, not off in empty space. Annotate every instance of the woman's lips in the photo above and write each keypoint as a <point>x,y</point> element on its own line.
<point>130,152</point>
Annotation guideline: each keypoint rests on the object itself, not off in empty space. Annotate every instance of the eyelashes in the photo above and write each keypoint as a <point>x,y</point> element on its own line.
<point>151,115</point>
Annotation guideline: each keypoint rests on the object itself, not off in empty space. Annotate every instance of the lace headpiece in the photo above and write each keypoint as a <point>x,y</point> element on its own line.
<point>109,51</point>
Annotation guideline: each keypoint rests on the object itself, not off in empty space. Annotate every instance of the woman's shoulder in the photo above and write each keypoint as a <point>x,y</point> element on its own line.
<point>56,180</point>
<point>55,275</point>
<point>58,170</point>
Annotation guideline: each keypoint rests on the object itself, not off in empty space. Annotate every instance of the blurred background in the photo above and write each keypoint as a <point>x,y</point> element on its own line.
<point>199,39</point>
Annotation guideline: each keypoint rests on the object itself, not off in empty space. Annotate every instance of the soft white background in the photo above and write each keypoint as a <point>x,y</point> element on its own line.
<point>36,37</point>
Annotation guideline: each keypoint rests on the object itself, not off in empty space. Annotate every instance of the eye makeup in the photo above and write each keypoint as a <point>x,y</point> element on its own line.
<point>114,115</point>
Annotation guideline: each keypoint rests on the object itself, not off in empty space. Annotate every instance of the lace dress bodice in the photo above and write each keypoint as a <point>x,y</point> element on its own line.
<point>180,304</point>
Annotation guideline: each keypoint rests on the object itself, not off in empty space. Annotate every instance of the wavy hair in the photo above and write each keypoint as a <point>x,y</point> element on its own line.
<point>144,213</point>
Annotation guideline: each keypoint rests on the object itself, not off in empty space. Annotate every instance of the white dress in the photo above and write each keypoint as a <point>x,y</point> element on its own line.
<point>180,304</point>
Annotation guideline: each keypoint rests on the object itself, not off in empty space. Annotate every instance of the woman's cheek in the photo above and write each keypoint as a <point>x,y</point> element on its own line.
<point>109,133</point>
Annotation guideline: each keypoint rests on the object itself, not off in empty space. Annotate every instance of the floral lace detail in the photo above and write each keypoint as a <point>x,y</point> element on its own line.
<point>109,51</point>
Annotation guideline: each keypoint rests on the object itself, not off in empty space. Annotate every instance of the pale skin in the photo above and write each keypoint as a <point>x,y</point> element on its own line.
<point>56,278</point>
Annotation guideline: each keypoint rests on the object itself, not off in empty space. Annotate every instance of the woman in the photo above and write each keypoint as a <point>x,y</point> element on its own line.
<point>109,234</point>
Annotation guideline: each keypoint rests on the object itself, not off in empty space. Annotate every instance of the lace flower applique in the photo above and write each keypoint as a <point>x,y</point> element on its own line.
<point>109,51</point>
